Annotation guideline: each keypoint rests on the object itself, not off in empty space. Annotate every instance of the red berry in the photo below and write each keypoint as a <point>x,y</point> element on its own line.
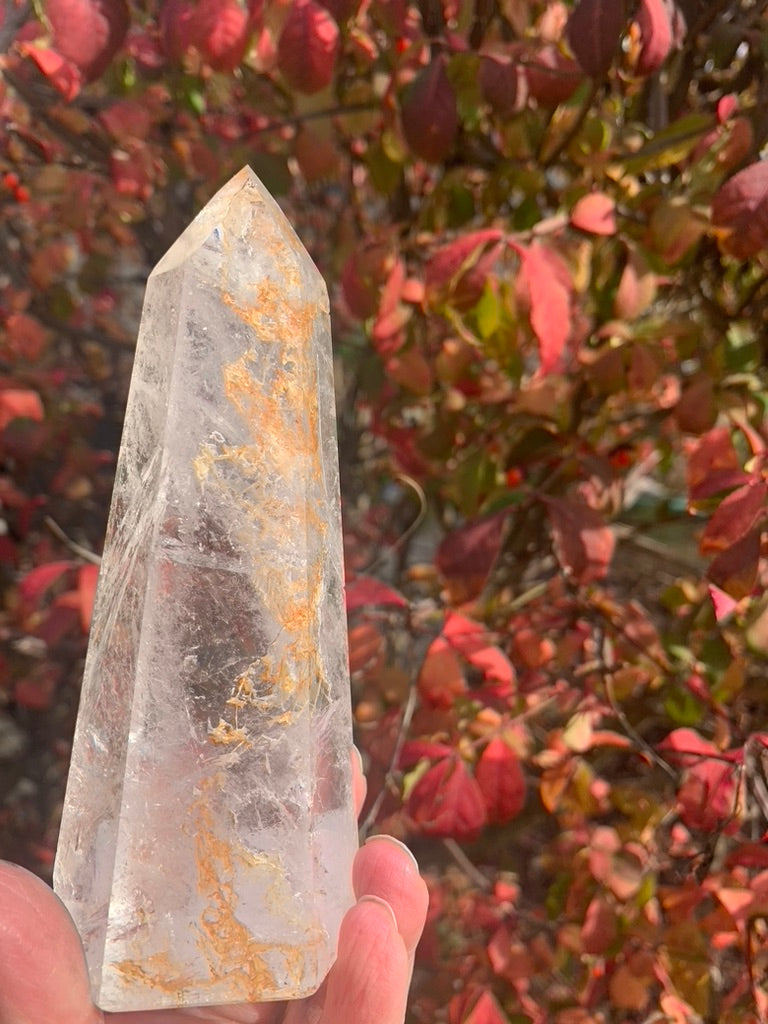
<point>10,180</point>
<point>21,194</point>
<point>514,477</point>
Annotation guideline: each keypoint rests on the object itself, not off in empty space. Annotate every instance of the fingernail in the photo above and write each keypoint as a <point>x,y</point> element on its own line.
<point>394,842</point>
<point>359,757</point>
<point>381,903</point>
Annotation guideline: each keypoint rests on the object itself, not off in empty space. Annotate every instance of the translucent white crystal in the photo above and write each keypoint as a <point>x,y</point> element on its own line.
<point>208,831</point>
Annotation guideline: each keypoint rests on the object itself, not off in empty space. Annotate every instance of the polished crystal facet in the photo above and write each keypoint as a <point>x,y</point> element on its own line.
<point>208,832</point>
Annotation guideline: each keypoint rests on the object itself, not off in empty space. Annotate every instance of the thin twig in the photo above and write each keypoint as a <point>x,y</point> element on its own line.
<point>74,547</point>
<point>409,531</point>
<point>389,779</point>
<point>466,865</point>
<point>625,723</point>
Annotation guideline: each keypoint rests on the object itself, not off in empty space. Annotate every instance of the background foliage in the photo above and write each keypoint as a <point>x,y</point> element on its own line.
<point>545,231</point>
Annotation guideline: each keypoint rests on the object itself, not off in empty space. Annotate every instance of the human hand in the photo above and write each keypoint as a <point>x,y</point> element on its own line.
<point>43,977</point>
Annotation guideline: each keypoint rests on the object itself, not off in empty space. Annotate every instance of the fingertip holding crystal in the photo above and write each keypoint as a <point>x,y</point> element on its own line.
<point>208,830</point>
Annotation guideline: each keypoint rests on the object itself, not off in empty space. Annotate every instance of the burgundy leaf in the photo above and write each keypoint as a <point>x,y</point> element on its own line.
<point>735,569</point>
<point>469,553</point>
<point>713,465</point>
<point>88,32</point>
<point>308,47</point>
<point>583,542</point>
<point>503,82</point>
<point>655,25</point>
<point>177,19</point>
<point>552,77</point>
<point>740,210</point>
<point>422,750</point>
<point>447,802</point>
<point>594,30</point>
<point>429,114</point>
<point>502,783</point>
<point>735,516</point>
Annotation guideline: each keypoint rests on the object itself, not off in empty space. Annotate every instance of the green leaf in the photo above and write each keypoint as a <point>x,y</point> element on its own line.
<point>670,146</point>
<point>488,312</point>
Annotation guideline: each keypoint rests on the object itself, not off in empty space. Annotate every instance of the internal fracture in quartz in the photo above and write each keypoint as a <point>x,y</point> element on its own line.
<point>208,831</point>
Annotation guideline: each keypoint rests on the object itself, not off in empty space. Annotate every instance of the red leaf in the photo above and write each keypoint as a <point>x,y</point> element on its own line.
<point>459,270</point>
<point>735,569</point>
<point>655,26</point>
<point>87,578</point>
<point>713,465</point>
<point>60,72</point>
<point>34,585</point>
<point>429,114</point>
<point>422,750</point>
<point>220,30</point>
<point>595,213</point>
<point>126,119</point>
<point>308,47</point>
<point>88,32</point>
<point>19,403</point>
<point>447,801</point>
<point>599,930</point>
<point>25,335</point>
<point>364,591</point>
<point>486,1011</point>
<point>468,555</point>
<point>583,543</point>
<point>502,783</point>
<point>735,516</point>
<point>547,280</point>
<point>593,31</point>
<point>740,209</point>
<point>363,276</point>
<point>687,747</point>
<point>706,795</point>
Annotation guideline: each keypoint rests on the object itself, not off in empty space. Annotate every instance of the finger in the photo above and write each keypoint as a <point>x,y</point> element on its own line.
<point>41,959</point>
<point>368,984</point>
<point>386,868</point>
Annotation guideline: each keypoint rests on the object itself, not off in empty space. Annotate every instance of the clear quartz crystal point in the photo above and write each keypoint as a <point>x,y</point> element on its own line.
<point>208,830</point>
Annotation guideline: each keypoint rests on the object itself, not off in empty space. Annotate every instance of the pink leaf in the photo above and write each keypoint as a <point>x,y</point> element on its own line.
<point>655,27</point>
<point>308,47</point>
<point>595,213</point>
<point>723,603</point>
<point>547,280</point>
